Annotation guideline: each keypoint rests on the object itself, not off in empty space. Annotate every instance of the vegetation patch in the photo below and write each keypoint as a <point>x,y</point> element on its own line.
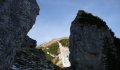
<point>65,42</point>
<point>52,51</point>
<point>90,19</point>
<point>52,48</point>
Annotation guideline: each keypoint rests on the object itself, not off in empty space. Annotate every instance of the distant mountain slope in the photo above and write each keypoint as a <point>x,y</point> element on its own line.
<point>47,44</point>
<point>52,49</point>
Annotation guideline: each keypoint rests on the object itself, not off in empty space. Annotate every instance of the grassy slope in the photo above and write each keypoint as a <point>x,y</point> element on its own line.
<point>54,49</point>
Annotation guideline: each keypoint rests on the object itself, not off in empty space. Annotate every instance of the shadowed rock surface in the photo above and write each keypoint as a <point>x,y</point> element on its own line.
<point>30,58</point>
<point>117,45</point>
<point>17,50</point>
<point>16,19</point>
<point>92,44</point>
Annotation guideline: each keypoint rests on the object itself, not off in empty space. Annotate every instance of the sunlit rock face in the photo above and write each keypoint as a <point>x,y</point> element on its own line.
<point>64,55</point>
<point>16,19</point>
<point>91,44</point>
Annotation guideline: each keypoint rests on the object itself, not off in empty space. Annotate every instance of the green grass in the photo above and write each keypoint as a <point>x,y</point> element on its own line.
<point>65,42</point>
<point>54,48</point>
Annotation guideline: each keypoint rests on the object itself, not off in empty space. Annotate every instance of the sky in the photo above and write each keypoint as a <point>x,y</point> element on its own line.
<point>55,17</point>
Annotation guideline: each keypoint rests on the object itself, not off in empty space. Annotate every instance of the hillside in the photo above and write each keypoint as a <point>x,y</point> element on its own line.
<point>53,41</point>
<point>52,49</point>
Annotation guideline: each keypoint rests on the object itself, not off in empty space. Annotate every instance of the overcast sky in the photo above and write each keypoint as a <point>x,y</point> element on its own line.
<point>56,16</point>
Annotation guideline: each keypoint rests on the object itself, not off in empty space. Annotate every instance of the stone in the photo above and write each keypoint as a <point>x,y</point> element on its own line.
<point>91,44</point>
<point>117,45</point>
<point>16,19</point>
<point>30,58</point>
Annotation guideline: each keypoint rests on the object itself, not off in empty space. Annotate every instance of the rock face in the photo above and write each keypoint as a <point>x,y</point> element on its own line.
<point>30,58</point>
<point>16,19</point>
<point>92,44</point>
<point>117,45</point>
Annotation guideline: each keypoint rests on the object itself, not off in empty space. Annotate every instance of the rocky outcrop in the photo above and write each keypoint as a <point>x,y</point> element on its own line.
<point>16,19</point>
<point>117,45</point>
<point>92,44</point>
<point>30,58</point>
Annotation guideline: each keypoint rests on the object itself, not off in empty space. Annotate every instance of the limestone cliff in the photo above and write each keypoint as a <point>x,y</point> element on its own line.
<point>16,19</point>
<point>92,44</point>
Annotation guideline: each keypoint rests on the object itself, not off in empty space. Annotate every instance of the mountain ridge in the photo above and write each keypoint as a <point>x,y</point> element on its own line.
<point>46,44</point>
